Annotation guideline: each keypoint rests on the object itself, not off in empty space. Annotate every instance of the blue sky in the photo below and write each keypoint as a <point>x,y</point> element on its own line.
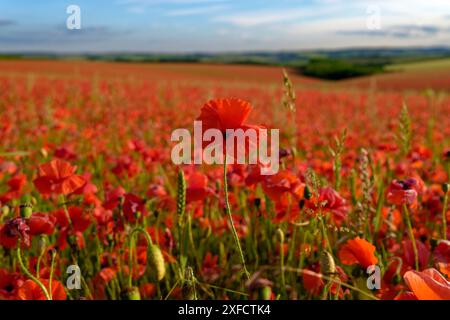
<point>221,25</point>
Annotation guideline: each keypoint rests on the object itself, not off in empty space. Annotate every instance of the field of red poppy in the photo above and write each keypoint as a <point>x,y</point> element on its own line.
<point>92,206</point>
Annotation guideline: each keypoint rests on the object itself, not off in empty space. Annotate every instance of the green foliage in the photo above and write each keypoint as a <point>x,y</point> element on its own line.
<point>333,69</point>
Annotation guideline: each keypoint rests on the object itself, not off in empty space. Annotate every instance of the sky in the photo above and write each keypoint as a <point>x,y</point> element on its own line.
<point>182,26</point>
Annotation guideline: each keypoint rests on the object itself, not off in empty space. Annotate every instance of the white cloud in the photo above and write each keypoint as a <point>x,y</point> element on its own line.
<point>273,17</point>
<point>339,24</point>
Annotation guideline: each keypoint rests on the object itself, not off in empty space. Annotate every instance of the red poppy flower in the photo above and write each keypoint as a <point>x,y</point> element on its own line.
<point>113,197</point>
<point>358,251</point>
<point>197,189</point>
<point>89,187</point>
<point>14,229</point>
<point>210,270</point>
<point>133,205</point>
<point>312,281</point>
<point>224,114</point>
<point>280,185</point>
<point>79,218</point>
<point>402,192</point>
<point>407,295</point>
<point>31,291</point>
<point>428,285</point>
<point>15,185</point>
<point>156,191</point>
<point>41,223</point>
<point>147,290</point>
<point>314,284</point>
<point>254,175</point>
<point>329,200</point>
<point>65,153</point>
<point>442,252</point>
<point>58,177</point>
<point>107,274</point>
<point>139,262</point>
<point>422,251</point>
<point>444,268</point>
<point>9,282</point>
<point>125,165</point>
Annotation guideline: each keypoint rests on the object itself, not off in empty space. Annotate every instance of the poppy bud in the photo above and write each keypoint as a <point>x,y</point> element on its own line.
<point>259,288</point>
<point>5,211</point>
<point>42,244</point>
<point>284,153</point>
<point>357,272</point>
<point>307,193</point>
<point>265,293</point>
<point>157,262</point>
<point>447,155</point>
<point>131,294</point>
<point>110,238</point>
<point>257,202</point>
<point>445,187</point>
<point>26,210</point>
<point>327,264</point>
<point>433,243</point>
<point>72,241</point>
<point>137,215</point>
<point>397,279</point>
<point>301,204</point>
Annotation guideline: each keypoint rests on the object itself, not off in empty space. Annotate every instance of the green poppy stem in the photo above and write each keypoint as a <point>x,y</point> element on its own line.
<point>230,217</point>
<point>52,269</point>
<point>411,235</point>
<point>30,275</point>
<point>444,215</point>
<point>130,251</point>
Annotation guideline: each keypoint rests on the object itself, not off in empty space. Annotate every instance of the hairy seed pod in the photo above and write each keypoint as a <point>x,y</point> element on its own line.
<point>327,264</point>
<point>156,261</point>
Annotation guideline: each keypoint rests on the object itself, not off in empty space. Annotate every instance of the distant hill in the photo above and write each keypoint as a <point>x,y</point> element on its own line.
<point>326,64</point>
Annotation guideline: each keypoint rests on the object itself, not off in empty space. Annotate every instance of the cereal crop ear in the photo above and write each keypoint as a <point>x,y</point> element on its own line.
<point>405,132</point>
<point>181,195</point>
<point>288,93</point>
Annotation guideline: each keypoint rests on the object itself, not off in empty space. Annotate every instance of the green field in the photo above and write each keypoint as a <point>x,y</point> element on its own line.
<point>430,65</point>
